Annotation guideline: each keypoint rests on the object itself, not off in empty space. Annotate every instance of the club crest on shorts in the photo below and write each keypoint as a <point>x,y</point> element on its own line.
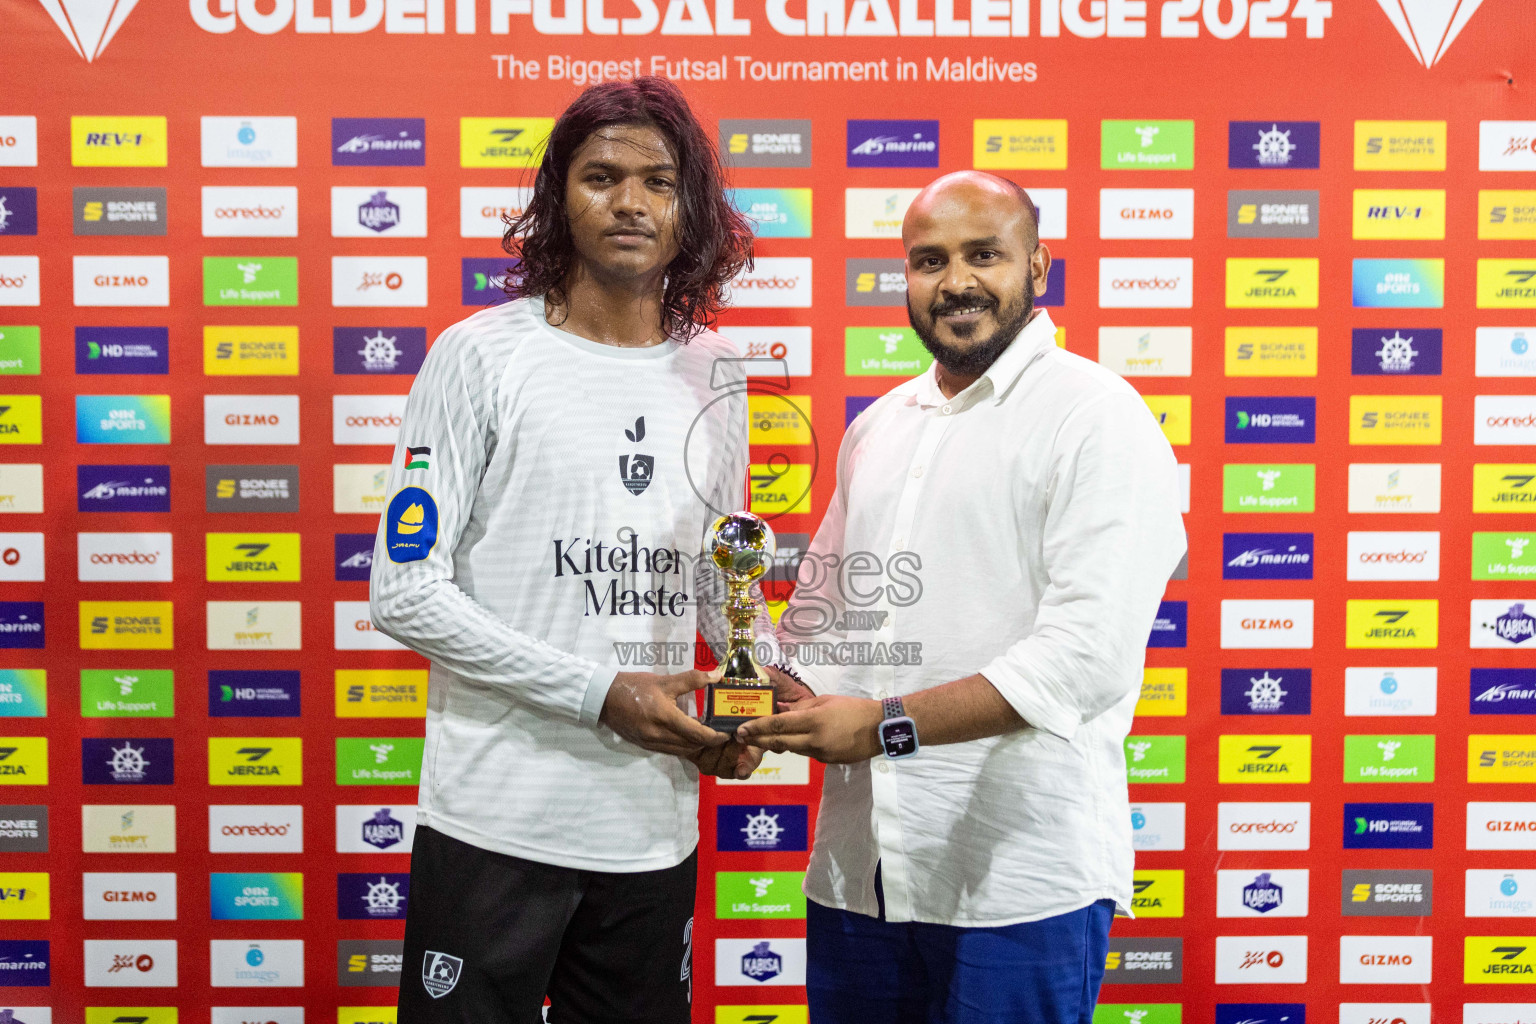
<point>440,973</point>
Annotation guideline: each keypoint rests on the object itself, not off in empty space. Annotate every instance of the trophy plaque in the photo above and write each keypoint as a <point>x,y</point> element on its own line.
<point>741,546</point>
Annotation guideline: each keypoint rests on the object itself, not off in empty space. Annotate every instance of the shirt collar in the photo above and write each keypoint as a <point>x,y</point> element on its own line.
<point>1037,336</point>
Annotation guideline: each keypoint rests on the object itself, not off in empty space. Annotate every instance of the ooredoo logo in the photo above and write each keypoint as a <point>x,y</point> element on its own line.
<point>18,281</point>
<point>1139,283</point>
<point>366,419</point>
<point>778,282</point>
<point>125,556</point>
<point>250,212</point>
<point>1504,419</point>
<point>1264,826</point>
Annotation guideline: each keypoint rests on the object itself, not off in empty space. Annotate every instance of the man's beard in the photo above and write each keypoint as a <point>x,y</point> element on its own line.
<point>973,361</point>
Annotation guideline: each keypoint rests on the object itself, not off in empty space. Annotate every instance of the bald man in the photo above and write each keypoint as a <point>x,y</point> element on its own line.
<point>973,615</point>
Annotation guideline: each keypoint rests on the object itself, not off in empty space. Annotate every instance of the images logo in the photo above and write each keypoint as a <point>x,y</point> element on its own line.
<point>1271,145</point>
<point>893,143</point>
<point>514,142</point>
<point>1430,28</point>
<point>1277,691</point>
<point>378,141</point>
<point>250,142</point>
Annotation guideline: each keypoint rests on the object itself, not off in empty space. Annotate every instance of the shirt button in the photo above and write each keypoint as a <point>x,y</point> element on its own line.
<point>882,767</point>
<point>882,695</point>
<point>917,471</point>
<point>947,410</point>
<point>898,542</point>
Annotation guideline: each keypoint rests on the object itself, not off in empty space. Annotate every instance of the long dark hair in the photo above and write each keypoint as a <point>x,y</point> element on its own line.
<point>714,239</point>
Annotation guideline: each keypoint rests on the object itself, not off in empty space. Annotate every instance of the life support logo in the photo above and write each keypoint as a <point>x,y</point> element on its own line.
<point>412,525</point>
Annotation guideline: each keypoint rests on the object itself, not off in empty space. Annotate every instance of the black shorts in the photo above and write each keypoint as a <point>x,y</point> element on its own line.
<point>488,936</point>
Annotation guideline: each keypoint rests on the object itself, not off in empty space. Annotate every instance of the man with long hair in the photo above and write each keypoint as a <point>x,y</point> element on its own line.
<point>560,458</point>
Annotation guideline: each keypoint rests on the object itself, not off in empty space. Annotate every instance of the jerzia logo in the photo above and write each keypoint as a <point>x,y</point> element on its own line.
<point>636,470</point>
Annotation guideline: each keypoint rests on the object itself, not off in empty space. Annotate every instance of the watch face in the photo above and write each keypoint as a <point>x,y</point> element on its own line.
<point>898,738</point>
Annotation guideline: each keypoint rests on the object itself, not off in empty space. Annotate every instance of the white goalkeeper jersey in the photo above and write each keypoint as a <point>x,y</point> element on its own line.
<point>549,498</point>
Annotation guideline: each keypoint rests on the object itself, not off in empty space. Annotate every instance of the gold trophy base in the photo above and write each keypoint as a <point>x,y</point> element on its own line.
<point>729,704</point>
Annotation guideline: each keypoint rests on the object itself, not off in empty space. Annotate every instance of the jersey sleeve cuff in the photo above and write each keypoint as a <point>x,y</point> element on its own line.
<point>597,693</point>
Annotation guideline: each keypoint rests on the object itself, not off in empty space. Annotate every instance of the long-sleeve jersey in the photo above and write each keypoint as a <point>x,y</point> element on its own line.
<point>550,496</point>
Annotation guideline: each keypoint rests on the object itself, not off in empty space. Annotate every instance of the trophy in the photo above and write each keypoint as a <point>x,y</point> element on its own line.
<point>741,546</point>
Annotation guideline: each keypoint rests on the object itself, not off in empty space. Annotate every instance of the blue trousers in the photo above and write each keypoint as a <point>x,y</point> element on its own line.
<point>864,969</point>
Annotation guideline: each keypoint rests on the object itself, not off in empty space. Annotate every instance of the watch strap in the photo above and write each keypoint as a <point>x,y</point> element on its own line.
<point>892,708</point>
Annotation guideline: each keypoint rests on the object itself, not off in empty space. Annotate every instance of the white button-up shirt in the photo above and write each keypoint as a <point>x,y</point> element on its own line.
<point>1023,529</point>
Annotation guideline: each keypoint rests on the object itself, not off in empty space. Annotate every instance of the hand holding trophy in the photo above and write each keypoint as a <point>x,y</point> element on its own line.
<point>741,546</point>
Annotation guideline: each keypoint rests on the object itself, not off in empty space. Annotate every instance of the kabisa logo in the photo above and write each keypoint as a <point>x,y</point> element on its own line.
<point>1429,27</point>
<point>378,141</point>
<point>410,525</point>
<point>1262,895</point>
<point>761,963</point>
<point>1267,691</point>
<point>893,143</point>
<point>382,830</point>
<point>635,471</point>
<point>1394,352</point>
<point>1501,624</point>
<point>378,350</point>
<point>377,213</point>
<point>89,25</point>
<point>1273,144</point>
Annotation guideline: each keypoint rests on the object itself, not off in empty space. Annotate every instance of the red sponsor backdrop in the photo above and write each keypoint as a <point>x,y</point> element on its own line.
<point>1358,66</point>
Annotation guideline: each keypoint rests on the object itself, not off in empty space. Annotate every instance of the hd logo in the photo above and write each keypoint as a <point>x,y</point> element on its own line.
<point>1158,894</point>
<point>1382,624</point>
<point>1499,959</point>
<point>253,556</point>
<point>255,761</point>
<point>1280,758</point>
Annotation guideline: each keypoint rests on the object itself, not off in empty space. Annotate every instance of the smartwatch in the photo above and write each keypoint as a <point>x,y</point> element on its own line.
<point>898,733</point>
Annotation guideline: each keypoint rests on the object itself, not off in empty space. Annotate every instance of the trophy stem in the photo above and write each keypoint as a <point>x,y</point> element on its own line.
<point>741,694</point>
